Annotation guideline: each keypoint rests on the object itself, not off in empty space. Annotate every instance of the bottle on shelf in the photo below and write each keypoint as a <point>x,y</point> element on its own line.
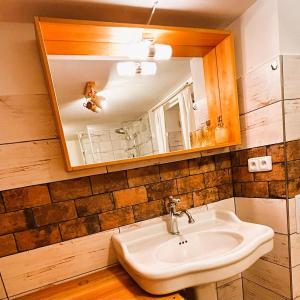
<point>221,132</point>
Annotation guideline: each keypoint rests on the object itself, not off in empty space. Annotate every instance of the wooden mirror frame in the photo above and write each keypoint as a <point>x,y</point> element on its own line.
<point>76,37</point>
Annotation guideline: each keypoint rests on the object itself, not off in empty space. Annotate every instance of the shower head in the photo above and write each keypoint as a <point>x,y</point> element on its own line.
<point>120,130</point>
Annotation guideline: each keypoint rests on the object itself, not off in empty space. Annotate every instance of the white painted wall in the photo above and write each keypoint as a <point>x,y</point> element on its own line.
<point>256,35</point>
<point>289,26</point>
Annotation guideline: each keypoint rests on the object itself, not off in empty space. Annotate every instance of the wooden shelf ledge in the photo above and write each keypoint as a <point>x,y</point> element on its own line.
<point>109,284</point>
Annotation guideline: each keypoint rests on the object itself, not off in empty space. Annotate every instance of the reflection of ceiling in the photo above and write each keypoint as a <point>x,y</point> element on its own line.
<point>127,97</point>
<point>198,13</point>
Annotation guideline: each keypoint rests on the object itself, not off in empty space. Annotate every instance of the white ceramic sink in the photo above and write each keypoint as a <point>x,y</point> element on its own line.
<point>217,246</point>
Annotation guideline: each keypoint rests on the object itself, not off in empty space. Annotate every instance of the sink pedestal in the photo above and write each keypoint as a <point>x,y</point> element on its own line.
<point>204,292</point>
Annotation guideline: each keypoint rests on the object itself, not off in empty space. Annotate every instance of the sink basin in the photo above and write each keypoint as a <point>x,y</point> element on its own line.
<point>217,246</point>
<point>198,246</point>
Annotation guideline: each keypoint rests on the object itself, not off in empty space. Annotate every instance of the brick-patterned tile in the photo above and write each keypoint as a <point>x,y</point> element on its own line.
<point>216,178</point>
<point>94,204</point>
<point>205,196</point>
<point>190,183</point>
<point>223,161</point>
<point>293,169</point>
<point>294,187</point>
<point>7,245</point>
<point>277,173</point>
<point>148,210</point>
<point>277,152</point>
<point>241,174</point>
<point>109,182</point>
<point>70,189</point>
<point>130,196</point>
<point>36,238</point>
<point>2,208</point>
<point>237,190</point>
<point>54,213</point>
<point>277,189</point>
<point>254,190</point>
<point>31,196</point>
<point>143,176</point>
<point>79,227</point>
<point>239,158</point>
<point>16,221</point>
<point>174,170</point>
<point>161,190</point>
<point>116,218</point>
<point>186,201</point>
<point>293,150</point>
<point>257,152</point>
<point>202,165</point>
<point>225,191</point>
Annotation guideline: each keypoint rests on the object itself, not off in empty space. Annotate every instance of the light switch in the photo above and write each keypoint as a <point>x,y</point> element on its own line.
<point>260,164</point>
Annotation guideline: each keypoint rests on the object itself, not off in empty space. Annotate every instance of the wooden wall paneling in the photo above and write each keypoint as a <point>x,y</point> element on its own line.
<point>27,271</point>
<point>21,72</point>
<point>280,252</point>
<point>269,212</point>
<point>212,86</point>
<point>26,118</point>
<point>29,163</point>
<point>261,127</point>
<point>296,281</point>
<point>291,76</point>
<point>231,291</point>
<point>271,276</point>
<point>260,87</point>
<point>253,291</point>
<point>295,249</point>
<point>228,88</point>
<point>228,280</point>
<point>292,119</point>
<point>2,290</point>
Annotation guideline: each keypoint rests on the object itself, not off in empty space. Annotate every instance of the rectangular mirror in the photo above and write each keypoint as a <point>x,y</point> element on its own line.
<point>111,108</point>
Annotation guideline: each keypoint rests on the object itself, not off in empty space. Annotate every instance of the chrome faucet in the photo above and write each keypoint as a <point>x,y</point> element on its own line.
<point>175,214</point>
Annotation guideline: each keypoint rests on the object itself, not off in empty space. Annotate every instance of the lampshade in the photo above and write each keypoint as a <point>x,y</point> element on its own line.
<point>162,52</point>
<point>133,68</point>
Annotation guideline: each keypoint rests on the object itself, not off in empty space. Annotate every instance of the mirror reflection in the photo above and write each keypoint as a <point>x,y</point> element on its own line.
<point>115,109</point>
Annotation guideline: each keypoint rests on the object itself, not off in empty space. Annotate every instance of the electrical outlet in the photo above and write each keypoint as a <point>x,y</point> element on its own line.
<point>260,164</point>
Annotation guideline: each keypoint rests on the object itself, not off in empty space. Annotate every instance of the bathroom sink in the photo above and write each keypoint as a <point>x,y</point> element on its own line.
<point>198,246</point>
<point>217,246</point>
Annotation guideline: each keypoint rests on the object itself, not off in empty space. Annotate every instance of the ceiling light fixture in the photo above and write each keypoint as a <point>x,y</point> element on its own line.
<point>94,101</point>
<point>147,48</point>
<point>136,68</point>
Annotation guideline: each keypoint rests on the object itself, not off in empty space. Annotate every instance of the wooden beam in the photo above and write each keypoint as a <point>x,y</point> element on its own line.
<point>111,49</point>
<point>127,33</point>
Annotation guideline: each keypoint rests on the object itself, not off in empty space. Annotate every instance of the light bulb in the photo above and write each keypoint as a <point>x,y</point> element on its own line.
<point>126,68</point>
<point>139,50</point>
<point>148,68</point>
<point>162,52</point>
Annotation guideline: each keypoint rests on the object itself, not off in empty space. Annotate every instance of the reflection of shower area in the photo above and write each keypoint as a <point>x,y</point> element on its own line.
<point>133,139</point>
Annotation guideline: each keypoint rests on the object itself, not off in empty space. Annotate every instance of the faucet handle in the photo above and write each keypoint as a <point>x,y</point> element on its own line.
<point>174,200</point>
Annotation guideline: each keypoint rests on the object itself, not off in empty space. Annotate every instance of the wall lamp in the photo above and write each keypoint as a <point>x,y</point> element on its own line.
<point>94,101</point>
